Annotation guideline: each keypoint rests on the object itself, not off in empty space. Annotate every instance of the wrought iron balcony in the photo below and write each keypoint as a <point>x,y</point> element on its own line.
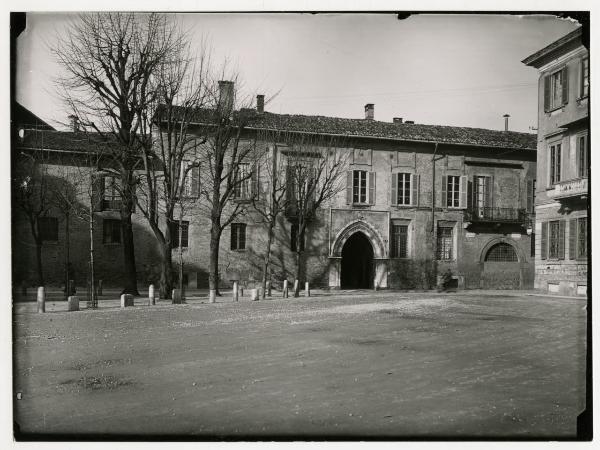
<point>496,215</point>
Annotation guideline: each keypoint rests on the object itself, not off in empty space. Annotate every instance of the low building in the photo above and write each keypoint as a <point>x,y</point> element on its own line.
<point>562,198</point>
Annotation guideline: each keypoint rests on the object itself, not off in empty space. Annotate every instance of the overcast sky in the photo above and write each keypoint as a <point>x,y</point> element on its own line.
<point>462,70</point>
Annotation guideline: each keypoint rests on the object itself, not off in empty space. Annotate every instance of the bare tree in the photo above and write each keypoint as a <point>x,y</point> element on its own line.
<point>170,177</point>
<point>273,203</point>
<point>229,159</point>
<point>315,168</point>
<point>109,59</point>
<point>31,194</point>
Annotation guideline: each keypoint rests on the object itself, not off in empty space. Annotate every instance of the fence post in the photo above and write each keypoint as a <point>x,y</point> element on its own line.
<point>285,288</point>
<point>151,298</point>
<point>235,291</point>
<point>41,300</point>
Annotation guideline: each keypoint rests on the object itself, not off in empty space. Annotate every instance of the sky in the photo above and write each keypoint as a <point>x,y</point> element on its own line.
<point>459,70</point>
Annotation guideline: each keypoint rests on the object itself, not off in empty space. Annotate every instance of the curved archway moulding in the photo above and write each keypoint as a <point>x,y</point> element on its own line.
<point>486,248</point>
<point>367,229</point>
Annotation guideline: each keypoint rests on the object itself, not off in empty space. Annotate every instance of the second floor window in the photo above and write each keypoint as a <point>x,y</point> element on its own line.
<point>555,163</point>
<point>238,236</point>
<point>482,194</point>
<point>175,230</point>
<point>359,186</point>
<point>453,191</point>
<point>112,193</point>
<point>399,240</point>
<point>405,189</point>
<point>241,189</point>
<point>584,82</point>
<point>48,229</point>
<point>530,206</point>
<point>555,89</point>
<point>582,156</point>
<point>111,231</point>
<point>190,180</point>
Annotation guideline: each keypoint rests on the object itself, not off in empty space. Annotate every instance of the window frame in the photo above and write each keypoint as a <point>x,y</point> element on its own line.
<point>579,240</point>
<point>448,250</point>
<point>242,190</point>
<point>113,223</point>
<point>581,155</point>
<point>554,163</point>
<point>583,77</point>
<point>356,190</point>
<point>553,89</point>
<point>456,194</point>
<point>112,201</point>
<point>238,237</point>
<point>185,226</point>
<point>554,243</point>
<point>394,241</point>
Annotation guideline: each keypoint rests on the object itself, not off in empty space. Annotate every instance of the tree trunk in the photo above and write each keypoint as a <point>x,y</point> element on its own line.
<point>213,271</point>
<point>127,204</point>
<point>267,260</point>
<point>39,263</point>
<point>166,272</point>
<point>180,249</point>
<point>67,254</point>
<point>94,303</point>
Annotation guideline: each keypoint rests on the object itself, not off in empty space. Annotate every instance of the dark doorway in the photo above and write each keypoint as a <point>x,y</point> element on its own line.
<point>357,263</point>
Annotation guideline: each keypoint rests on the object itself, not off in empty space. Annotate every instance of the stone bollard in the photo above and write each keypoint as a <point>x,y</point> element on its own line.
<point>176,297</point>
<point>268,288</point>
<point>99,290</point>
<point>241,291</point>
<point>285,289</point>
<point>126,300</point>
<point>376,286</point>
<point>306,289</point>
<point>73,303</point>
<point>253,295</point>
<point>41,300</point>
<point>151,298</point>
<point>235,291</point>
<point>295,287</point>
<point>212,296</point>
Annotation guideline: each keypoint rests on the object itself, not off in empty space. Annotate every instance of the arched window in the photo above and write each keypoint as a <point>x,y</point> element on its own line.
<point>501,252</point>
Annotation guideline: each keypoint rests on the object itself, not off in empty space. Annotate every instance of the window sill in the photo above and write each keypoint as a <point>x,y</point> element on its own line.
<point>238,250</point>
<point>361,205</point>
<point>405,206</point>
<point>560,108</point>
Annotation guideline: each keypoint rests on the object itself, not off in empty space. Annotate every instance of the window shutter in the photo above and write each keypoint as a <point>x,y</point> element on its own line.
<point>544,241</point>
<point>546,93</point>
<point>414,193</point>
<point>573,239</point>
<point>471,193</point>
<point>242,237</point>
<point>444,191</point>
<point>233,240</point>
<point>349,187</point>
<point>561,239</point>
<point>565,86</point>
<point>394,189</point>
<point>372,187</point>
<point>529,206</point>
<point>580,79</point>
<point>195,174</point>
<point>97,191</point>
<point>462,202</point>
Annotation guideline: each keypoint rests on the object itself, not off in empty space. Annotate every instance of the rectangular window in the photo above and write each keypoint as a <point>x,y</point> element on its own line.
<point>556,89</point>
<point>556,85</point>
<point>238,236</point>
<point>190,179</point>
<point>293,238</point>
<point>584,88</point>
<point>241,188</point>
<point>582,238</point>
<point>582,156</point>
<point>399,241</point>
<point>453,186</point>
<point>112,193</point>
<point>404,189</point>
<point>359,186</point>
<point>554,239</point>
<point>48,229</point>
<point>185,225</point>
<point>482,197</point>
<point>555,163</point>
<point>111,231</point>
<point>445,241</point>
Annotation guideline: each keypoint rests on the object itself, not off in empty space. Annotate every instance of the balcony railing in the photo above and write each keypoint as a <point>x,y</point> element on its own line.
<point>497,215</point>
<point>569,188</point>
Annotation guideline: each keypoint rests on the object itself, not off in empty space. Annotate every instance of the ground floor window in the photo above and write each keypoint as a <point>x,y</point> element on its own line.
<point>238,236</point>
<point>445,241</point>
<point>111,231</point>
<point>185,225</point>
<point>48,229</point>
<point>501,253</point>
<point>553,240</point>
<point>399,240</point>
<point>578,238</point>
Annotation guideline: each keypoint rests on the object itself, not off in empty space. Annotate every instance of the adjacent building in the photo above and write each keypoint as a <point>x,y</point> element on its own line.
<point>562,187</point>
<point>416,201</point>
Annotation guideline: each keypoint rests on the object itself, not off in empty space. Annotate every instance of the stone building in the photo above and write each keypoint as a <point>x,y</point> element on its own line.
<point>562,189</point>
<point>416,201</point>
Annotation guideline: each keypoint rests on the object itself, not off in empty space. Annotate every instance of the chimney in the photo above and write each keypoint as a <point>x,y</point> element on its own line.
<point>260,104</point>
<point>506,116</point>
<point>369,111</point>
<point>74,121</point>
<point>397,119</point>
<point>226,96</point>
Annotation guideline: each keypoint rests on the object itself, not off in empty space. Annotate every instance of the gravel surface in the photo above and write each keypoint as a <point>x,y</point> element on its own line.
<point>354,365</point>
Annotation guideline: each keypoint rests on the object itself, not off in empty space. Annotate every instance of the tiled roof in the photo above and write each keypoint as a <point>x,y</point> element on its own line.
<point>65,140</point>
<point>532,60</point>
<point>395,131</point>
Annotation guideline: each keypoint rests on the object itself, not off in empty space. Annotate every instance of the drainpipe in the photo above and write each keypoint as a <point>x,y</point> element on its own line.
<point>433,241</point>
